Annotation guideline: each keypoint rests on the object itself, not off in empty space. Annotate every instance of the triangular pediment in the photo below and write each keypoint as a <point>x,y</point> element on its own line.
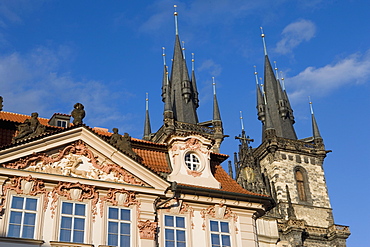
<point>79,153</point>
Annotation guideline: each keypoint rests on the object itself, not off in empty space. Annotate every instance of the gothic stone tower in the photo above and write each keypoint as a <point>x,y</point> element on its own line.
<point>180,97</point>
<point>291,171</point>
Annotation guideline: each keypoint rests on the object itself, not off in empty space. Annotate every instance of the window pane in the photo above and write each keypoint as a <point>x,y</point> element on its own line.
<point>28,231</point>
<point>113,213</point>
<point>181,244</point>
<point>214,226</point>
<point>66,223</point>
<point>29,219</point>
<point>79,224</point>
<point>180,222</point>
<point>168,220</point>
<point>15,217</point>
<point>215,240</point>
<point>180,235</point>
<point>125,214</point>
<point>31,204</point>
<point>170,234</point>
<point>17,202</point>
<point>224,227</point>
<point>170,244</point>
<point>113,227</point>
<point>80,209</point>
<point>125,228</point>
<point>78,236</point>
<point>125,241</point>
<point>67,208</point>
<point>112,239</point>
<point>14,231</point>
<point>225,240</point>
<point>65,235</point>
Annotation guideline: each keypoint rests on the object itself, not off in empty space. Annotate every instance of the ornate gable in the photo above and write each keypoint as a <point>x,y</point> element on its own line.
<point>76,160</point>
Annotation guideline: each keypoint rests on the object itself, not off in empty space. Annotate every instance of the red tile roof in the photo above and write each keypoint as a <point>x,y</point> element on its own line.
<point>154,157</point>
<point>19,118</point>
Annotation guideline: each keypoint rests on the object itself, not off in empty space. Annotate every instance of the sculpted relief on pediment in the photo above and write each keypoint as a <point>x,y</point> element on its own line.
<point>75,160</point>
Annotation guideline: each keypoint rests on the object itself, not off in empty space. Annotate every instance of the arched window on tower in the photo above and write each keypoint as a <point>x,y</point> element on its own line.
<point>301,185</point>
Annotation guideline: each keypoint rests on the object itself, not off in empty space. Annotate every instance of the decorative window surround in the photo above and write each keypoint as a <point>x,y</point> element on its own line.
<point>180,148</point>
<point>26,186</point>
<point>120,197</point>
<point>178,207</point>
<point>221,212</point>
<point>76,192</point>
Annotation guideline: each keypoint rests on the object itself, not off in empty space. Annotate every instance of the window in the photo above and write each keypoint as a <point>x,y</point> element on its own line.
<point>192,161</point>
<point>220,234</point>
<point>300,185</point>
<point>22,218</point>
<point>61,123</point>
<point>119,227</point>
<point>72,226</point>
<point>174,231</point>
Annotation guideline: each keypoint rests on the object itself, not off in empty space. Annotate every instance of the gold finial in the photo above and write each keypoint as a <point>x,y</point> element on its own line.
<point>176,25</point>
<point>263,41</point>
<point>255,70</point>
<point>192,61</point>
<point>214,85</point>
<point>282,80</point>
<point>183,48</point>
<point>147,102</point>
<point>311,108</point>
<point>164,56</point>
<point>241,120</point>
<point>276,71</point>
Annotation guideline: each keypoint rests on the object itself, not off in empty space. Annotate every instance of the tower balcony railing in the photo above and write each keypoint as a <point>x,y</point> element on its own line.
<point>194,127</point>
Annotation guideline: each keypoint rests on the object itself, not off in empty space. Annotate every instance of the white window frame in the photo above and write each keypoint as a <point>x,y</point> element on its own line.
<point>61,123</point>
<point>220,233</point>
<point>175,228</point>
<point>119,221</point>
<point>74,217</point>
<point>23,211</point>
<point>190,164</point>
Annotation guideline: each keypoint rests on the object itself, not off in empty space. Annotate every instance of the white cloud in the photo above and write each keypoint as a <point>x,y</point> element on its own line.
<point>210,67</point>
<point>35,82</point>
<point>294,34</point>
<point>354,69</point>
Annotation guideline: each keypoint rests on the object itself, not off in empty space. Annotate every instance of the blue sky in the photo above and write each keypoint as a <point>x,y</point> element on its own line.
<point>107,55</point>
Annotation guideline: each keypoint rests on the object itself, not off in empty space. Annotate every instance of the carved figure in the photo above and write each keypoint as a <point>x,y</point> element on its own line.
<point>122,143</point>
<point>1,103</point>
<point>29,128</point>
<point>78,113</point>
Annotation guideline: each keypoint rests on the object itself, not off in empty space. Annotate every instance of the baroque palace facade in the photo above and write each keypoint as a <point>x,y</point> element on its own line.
<point>66,184</point>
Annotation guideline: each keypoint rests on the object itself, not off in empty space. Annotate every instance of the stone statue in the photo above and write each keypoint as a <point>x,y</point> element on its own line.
<point>29,128</point>
<point>122,143</point>
<point>78,113</point>
<point>1,103</point>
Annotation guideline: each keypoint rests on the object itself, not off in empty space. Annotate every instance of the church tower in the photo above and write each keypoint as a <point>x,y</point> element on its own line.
<point>180,97</point>
<point>290,170</point>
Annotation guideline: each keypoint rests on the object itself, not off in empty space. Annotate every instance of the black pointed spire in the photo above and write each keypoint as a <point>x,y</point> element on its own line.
<point>194,82</point>
<point>147,128</point>
<point>230,169</point>
<point>182,89</point>
<point>315,129</point>
<point>260,100</point>
<point>216,110</point>
<point>276,102</point>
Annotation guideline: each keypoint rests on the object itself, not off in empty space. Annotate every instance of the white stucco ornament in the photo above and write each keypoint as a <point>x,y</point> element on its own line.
<point>190,161</point>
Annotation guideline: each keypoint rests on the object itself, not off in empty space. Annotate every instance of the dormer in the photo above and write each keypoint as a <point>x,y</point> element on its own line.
<point>190,161</point>
<point>60,120</point>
